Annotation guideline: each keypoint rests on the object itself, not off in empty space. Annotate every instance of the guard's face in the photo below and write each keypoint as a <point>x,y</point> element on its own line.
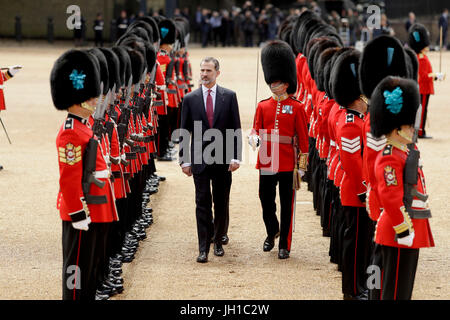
<point>406,132</point>
<point>208,73</point>
<point>278,87</point>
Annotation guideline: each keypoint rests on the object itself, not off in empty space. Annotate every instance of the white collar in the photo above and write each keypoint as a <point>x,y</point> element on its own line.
<point>213,89</point>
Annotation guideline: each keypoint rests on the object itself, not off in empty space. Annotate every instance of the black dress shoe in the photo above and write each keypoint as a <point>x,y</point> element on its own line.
<point>218,250</point>
<point>425,137</point>
<point>224,240</point>
<point>283,254</point>
<point>165,157</point>
<point>269,243</point>
<point>202,257</point>
<point>1,167</point>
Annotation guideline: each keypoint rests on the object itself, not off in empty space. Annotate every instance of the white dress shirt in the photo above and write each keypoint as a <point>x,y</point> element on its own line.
<point>213,95</point>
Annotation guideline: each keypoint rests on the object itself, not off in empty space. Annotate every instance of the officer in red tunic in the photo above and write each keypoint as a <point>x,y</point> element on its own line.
<point>280,127</point>
<point>86,199</point>
<point>419,40</point>
<point>357,237</point>
<point>4,76</point>
<point>403,227</point>
<point>167,64</point>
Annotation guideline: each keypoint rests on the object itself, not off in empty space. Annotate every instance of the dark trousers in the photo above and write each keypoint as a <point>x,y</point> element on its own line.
<point>163,134</point>
<point>99,38</point>
<point>219,178</point>
<point>398,272</point>
<point>424,98</point>
<point>375,283</point>
<point>267,193</point>
<point>172,115</point>
<point>357,250</point>
<point>84,253</point>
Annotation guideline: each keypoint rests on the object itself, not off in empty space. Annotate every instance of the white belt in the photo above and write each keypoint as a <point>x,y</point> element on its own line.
<point>332,143</point>
<point>310,96</point>
<point>419,204</point>
<point>102,174</point>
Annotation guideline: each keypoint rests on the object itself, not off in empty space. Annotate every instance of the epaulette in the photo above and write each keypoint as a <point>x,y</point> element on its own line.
<point>264,99</point>
<point>350,118</point>
<point>68,124</point>
<point>293,98</point>
<point>387,150</point>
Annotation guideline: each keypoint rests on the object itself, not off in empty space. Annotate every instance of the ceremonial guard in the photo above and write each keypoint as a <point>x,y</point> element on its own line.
<point>167,31</point>
<point>4,76</point>
<point>403,227</point>
<point>419,41</point>
<point>358,229</point>
<point>279,128</point>
<point>86,200</point>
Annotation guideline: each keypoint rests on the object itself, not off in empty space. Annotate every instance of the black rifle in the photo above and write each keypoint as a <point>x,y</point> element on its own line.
<point>410,176</point>
<point>89,162</point>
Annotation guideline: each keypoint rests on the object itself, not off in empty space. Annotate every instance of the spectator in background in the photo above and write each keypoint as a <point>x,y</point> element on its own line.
<point>385,28</point>
<point>274,21</point>
<point>205,27</point>
<point>227,28</point>
<point>335,20</point>
<point>79,30</point>
<point>197,24</point>
<point>443,23</point>
<point>248,27</point>
<point>216,25</point>
<point>237,23</point>
<point>98,30</point>
<point>353,25</point>
<point>177,12</point>
<point>411,20</point>
<point>186,13</point>
<point>263,27</point>
<point>316,9</point>
<point>122,23</point>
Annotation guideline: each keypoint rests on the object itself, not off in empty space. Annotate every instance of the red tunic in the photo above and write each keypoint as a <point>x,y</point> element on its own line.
<point>389,168</point>
<point>290,121</point>
<point>71,143</point>
<point>426,85</point>
<point>372,147</point>
<point>4,76</point>
<point>349,138</point>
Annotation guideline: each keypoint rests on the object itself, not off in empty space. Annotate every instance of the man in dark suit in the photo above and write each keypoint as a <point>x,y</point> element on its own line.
<point>210,116</point>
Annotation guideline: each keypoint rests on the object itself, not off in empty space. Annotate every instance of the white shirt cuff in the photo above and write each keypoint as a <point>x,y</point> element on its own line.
<point>185,165</point>
<point>235,161</point>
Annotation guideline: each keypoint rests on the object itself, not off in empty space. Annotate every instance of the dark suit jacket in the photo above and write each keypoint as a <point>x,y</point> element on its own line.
<point>218,146</point>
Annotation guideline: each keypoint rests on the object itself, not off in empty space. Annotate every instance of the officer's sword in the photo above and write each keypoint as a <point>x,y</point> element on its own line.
<point>6,132</point>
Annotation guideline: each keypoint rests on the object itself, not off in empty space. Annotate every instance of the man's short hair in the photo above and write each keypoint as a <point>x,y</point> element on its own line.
<point>213,60</point>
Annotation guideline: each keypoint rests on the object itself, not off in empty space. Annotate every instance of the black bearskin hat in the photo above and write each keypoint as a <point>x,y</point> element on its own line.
<point>144,25</point>
<point>167,31</point>
<point>345,79</point>
<point>137,64</point>
<point>329,69</point>
<point>418,37</point>
<point>74,79</point>
<point>412,63</point>
<point>103,64</point>
<point>154,25</point>
<point>113,67</point>
<point>394,103</point>
<point>124,61</point>
<point>296,35</point>
<point>305,31</point>
<point>278,63</point>
<point>316,50</point>
<point>321,63</point>
<point>139,32</point>
<point>382,56</point>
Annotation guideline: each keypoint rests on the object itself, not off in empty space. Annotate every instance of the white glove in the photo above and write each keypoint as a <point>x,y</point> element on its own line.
<point>302,173</point>
<point>406,241</point>
<point>440,76</point>
<point>82,224</point>
<point>254,141</point>
<point>14,69</point>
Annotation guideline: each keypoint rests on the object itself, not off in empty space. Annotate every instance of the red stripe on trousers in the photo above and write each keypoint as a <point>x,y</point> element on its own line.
<point>78,259</point>
<point>422,119</point>
<point>396,274</point>
<point>356,247</point>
